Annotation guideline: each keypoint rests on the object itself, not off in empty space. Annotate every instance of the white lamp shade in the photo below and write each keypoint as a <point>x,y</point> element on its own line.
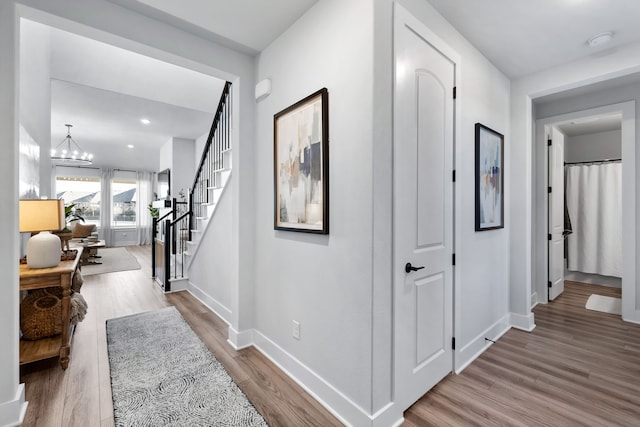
<point>43,250</point>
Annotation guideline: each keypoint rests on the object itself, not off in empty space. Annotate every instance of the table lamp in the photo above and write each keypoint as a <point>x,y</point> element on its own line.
<point>43,249</point>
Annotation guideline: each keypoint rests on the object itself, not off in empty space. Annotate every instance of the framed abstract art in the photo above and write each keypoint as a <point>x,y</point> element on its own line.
<point>301,165</point>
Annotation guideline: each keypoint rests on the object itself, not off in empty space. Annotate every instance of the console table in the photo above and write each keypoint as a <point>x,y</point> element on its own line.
<point>39,278</point>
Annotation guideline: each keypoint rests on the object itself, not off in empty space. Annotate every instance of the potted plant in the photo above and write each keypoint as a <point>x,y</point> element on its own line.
<point>155,213</point>
<point>71,214</point>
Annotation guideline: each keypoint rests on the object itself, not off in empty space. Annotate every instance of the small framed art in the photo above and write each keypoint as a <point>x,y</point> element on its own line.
<point>489,179</point>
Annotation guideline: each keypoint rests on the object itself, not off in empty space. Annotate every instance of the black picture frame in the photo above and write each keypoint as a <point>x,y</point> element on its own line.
<point>301,165</point>
<point>489,173</point>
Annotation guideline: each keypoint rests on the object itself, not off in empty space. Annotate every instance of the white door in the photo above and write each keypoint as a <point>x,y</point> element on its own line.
<point>423,213</point>
<point>556,214</point>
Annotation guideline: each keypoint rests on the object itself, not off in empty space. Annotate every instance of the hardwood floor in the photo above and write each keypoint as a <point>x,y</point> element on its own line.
<point>81,395</point>
<point>577,368</point>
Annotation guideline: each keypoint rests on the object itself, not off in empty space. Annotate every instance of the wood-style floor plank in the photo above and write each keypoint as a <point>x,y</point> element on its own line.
<point>81,395</point>
<point>577,367</point>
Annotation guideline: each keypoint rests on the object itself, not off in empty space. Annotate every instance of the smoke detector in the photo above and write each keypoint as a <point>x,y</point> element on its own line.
<point>600,39</point>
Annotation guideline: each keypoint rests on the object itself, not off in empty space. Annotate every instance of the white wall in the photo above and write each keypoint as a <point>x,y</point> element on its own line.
<point>305,277</point>
<point>199,147</point>
<point>624,60</point>
<point>35,93</point>
<point>323,282</point>
<point>211,269</point>
<point>166,157</point>
<point>182,167</point>
<point>11,394</point>
<point>593,146</point>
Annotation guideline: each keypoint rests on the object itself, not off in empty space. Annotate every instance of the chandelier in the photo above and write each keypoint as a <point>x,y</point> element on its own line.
<point>68,152</point>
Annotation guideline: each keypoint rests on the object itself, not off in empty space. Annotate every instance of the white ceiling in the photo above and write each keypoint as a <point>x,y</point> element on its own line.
<point>105,123</point>
<point>521,37</point>
<point>246,25</point>
<point>104,91</point>
<point>591,125</point>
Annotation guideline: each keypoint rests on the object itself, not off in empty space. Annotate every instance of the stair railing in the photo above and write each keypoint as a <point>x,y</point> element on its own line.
<point>212,162</point>
<point>179,223</point>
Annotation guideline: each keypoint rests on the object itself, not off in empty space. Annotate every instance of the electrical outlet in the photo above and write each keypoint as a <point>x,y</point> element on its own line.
<point>296,329</point>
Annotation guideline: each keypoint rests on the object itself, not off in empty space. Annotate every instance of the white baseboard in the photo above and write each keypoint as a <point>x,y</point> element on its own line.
<point>388,416</point>
<point>179,284</point>
<point>211,303</point>
<point>474,348</point>
<point>12,412</point>
<point>240,340</point>
<point>347,411</point>
<point>534,300</point>
<point>522,322</point>
<point>632,316</point>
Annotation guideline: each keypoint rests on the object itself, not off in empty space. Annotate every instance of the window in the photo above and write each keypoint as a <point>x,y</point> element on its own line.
<point>123,199</point>
<point>84,192</point>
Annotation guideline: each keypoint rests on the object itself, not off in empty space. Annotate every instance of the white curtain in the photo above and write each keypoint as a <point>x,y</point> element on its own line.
<point>145,196</point>
<point>105,206</point>
<point>594,204</point>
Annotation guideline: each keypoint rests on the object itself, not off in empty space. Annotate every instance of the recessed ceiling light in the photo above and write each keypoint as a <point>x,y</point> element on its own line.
<point>600,39</point>
<point>129,146</point>
<point>145,121</point>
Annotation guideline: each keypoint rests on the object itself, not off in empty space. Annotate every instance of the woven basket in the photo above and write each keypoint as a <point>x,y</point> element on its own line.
<point>41,315</point>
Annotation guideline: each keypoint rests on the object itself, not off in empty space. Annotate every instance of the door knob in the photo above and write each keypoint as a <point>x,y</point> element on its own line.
<point>408,268</point>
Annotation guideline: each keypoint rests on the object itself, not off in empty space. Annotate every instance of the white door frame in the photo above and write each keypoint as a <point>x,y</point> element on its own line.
<point>403,17</point>
<point>629,186</point>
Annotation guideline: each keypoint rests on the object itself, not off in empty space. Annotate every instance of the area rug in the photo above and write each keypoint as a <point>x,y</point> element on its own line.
<point>112,259</point>
<point>163,375</point>
<point>604,304</point>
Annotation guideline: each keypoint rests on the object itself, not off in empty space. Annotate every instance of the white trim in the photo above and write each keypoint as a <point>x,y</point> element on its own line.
<point>630,311</point>
<point>178,284</point>
<point>332,399</point>
<point>524,323</point>
<point>534,300</point>
<point>475,347</point>
<point>240,340</point>
<point>13,411</point>
<point>211,303</point>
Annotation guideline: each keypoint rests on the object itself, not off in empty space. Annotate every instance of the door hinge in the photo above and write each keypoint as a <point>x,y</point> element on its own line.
<point>455,92</point>
<point>549,284</point>
<point>548,236</point>
<point>549,190</point>
<point>454,175</point>
<point>453,343</point>
<point>453,259</point>
<point>549,142</point>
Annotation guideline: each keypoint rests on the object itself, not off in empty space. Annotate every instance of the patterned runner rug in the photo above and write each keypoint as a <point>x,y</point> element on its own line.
<point>163,375</point>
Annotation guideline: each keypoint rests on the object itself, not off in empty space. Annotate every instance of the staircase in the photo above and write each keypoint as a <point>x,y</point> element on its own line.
<point>182,229</point>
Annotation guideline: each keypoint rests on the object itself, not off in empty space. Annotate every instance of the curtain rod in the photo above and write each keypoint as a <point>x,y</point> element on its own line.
<point>95,168</point>
<point>592,161</point>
